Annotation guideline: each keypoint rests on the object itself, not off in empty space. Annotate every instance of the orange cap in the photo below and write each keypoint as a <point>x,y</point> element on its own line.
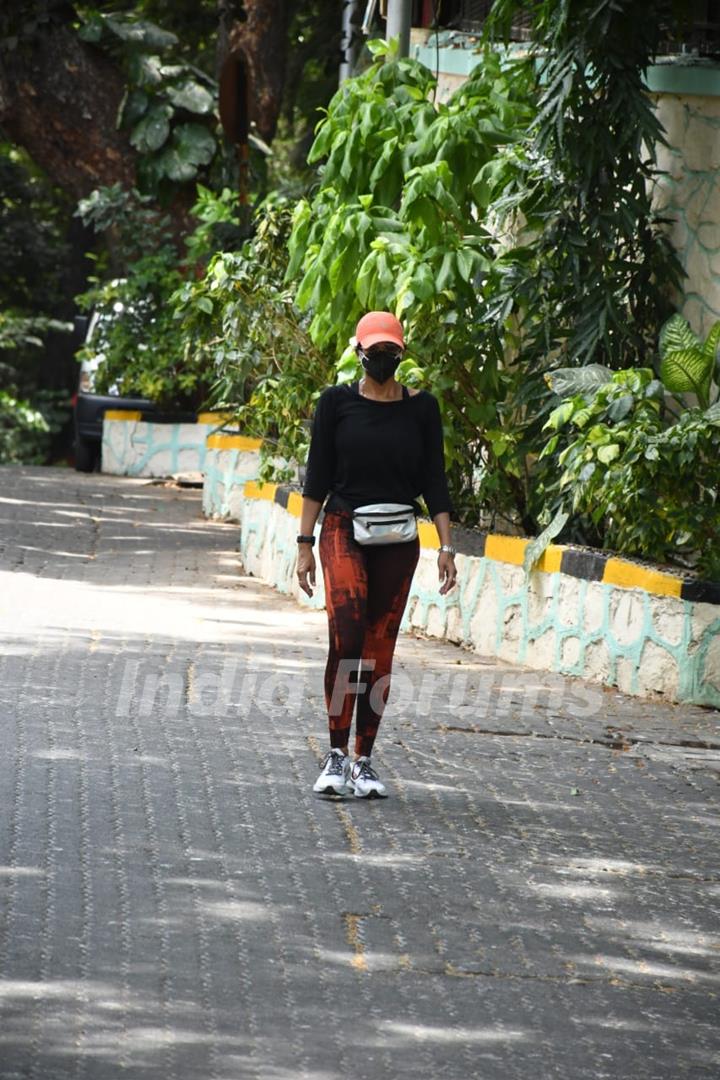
<point>379,326</point>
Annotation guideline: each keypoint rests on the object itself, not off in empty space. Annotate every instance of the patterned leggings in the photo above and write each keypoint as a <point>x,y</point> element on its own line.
<point>366,590</point>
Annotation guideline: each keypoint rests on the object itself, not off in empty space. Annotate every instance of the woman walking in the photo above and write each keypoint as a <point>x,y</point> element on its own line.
<point>373,441</point>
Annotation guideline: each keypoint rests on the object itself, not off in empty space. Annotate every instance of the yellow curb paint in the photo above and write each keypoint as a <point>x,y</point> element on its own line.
<point>122,414</point>
<point>255,490</point>
<point>232,442</point>
<point>428,535</point>
<point>551,558</point>
<point>508,549</point>
<point>214,417</point>
<point>294,504</point>
<point>629,576</point>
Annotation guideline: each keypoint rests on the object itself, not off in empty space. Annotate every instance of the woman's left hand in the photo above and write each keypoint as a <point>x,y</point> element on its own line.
<point>447,571</point>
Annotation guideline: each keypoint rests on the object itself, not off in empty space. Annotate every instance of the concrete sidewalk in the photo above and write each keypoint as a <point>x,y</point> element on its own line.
<point>537,898</point>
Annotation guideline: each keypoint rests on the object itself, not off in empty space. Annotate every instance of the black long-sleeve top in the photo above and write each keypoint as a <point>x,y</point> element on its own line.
<point>365,451</point>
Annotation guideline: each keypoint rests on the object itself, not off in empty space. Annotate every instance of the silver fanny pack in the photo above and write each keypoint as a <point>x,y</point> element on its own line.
<point>384,523</point>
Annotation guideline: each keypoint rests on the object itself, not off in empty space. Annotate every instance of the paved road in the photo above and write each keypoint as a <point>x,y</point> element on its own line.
<point>538,898</point>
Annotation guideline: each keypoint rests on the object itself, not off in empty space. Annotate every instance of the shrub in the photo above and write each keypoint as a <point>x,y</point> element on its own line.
<point>240,323</point>
<point>647,480</point>
<point>136,336</point>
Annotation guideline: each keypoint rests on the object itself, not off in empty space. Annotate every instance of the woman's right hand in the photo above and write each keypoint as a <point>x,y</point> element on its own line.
<point>306,567</point>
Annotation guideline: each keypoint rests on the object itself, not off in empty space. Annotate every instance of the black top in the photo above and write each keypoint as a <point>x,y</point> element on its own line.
<point>366,451</point>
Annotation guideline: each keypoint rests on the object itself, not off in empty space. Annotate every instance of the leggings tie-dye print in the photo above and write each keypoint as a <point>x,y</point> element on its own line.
<point>366,590</point>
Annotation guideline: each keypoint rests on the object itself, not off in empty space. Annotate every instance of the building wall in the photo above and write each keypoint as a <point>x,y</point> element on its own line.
<point>689,196</point>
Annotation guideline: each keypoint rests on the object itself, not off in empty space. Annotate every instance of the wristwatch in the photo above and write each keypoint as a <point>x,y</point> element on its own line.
<point>449,548</point>
<point>305,539</point>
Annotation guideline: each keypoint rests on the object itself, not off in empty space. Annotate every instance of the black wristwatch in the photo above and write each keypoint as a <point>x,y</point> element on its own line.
<point>305,539</point>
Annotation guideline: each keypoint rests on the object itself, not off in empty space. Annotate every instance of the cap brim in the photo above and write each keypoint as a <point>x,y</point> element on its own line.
<point>377,339</point>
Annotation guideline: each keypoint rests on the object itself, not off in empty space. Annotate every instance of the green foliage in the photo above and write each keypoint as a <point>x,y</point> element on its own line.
<point>23,432</point>
<point>241,325</point>
<point>511,237</point>
<point>649,488</point>
<point>131,221</point>
<point>33,266</point>
<point>395,223</point>
<point>169,108</point>
<point>33,251</point>
<point>26,426</point>
<point>20,331</point>
<point>136,335</point>
<point>588,273</point>
<point>688,365</point>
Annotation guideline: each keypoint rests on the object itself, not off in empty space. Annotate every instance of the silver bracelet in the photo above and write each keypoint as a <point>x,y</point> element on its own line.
<point>449,548</point>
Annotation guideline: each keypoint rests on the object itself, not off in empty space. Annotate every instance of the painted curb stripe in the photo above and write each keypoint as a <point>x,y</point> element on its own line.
<point>701,592</point>
<point>551,559</point>
<point>428,535</point>
<point>122,414</point>
<point>214,417</point>
<point>588,565</point>
<point>630,576</point>
<point>508,549</point>
<point>294,504</point>
<point>232,442</point>
<point>152,418</point>
<point>255,490</point>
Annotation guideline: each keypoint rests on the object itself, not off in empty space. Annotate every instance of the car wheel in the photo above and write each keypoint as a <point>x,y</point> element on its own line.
<point>87,453</point>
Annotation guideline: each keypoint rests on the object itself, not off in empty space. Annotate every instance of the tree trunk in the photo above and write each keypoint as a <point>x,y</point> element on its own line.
<point>59,99</point>
<point>258,32</point>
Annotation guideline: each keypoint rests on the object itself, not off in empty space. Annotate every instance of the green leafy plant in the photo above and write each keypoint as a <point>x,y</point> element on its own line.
<point>136,337</point>
<point>27,422</point>
<point>169,108</point>
<point>395,223</point>
<point>585,272</point>
<point>689,364</point>
<point>648,487</point>
<point>510,227</point>
<point>240,323</point>
<point>589,271</point>
<point>23,432</point>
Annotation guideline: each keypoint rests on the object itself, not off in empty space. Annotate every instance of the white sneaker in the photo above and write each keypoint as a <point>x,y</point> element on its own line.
<point>364,781</point>
<point>333,780</point>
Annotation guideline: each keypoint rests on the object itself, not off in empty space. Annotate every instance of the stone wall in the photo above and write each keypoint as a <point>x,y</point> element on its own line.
<point>584,613</point>
<point>230,461</point>
<point>689,195</point>
<point>133,444</point>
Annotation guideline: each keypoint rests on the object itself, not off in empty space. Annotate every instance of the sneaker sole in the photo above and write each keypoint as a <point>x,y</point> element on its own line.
<point>370,795</point>
<point>331,791</point>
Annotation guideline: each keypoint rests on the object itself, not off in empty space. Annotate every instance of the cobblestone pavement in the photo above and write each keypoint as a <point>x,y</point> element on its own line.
<point>538,897</point>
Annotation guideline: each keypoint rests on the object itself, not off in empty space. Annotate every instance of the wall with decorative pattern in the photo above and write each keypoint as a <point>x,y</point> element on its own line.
<point>689,196</point>
<point>133,444</point>
<point>582,612</point>
<point>230,461</point>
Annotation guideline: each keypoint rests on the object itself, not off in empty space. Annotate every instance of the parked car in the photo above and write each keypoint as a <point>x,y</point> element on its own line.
<point>88,407</point>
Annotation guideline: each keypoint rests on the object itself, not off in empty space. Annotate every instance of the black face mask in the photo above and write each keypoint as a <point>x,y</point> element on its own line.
<point>380,364</point>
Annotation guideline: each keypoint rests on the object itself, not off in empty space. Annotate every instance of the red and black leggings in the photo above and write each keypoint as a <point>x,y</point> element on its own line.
<point>366,590</point>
